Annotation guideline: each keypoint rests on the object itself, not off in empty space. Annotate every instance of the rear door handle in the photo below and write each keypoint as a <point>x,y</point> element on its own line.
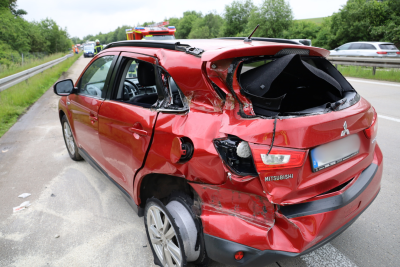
<point>138,131</point>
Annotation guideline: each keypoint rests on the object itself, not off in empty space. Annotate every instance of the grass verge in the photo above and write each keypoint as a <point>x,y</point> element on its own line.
<point>383,74</point>
<point>15,100</point>
<point>15,68</point>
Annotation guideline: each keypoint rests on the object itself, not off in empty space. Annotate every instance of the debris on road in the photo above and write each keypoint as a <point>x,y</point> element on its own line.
<point>56,236</point>
<point>23,206</point>
<point>52,195</point>
<point>4,150</point>
<point>24,195</point>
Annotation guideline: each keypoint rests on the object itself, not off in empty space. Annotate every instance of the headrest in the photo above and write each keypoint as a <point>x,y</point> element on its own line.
<point>145,74</point>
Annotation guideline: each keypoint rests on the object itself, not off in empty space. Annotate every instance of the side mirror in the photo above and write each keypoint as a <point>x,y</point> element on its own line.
<point>336,49</point>
<point>64,87</point>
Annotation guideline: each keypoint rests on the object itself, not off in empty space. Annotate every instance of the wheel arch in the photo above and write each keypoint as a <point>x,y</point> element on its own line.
<point>61,114</point>
<point>161,186</point>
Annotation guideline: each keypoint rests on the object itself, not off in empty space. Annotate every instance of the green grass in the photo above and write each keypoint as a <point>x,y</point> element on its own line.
<point>383,74</point>
<point>315,20</point>
<point>15,68</point>
<point>15,100</point>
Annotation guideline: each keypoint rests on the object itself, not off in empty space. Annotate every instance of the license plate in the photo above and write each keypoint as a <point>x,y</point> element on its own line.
<point>334,152</point>
<point>391,53</point>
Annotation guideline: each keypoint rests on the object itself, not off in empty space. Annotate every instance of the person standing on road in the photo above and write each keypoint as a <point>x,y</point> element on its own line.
<point>98,47</point>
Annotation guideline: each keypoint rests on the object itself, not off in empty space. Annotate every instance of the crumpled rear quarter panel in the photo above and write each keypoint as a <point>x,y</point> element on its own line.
<point>295,235</point>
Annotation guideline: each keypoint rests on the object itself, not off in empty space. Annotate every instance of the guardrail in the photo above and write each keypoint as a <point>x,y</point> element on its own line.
<point>367,62</point>
<point>26,74</point>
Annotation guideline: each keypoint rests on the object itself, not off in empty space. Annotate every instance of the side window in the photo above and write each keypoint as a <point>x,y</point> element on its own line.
<point>355,46</point>
<point>93,80</point>
<point>368,47</point>
<point>344,47</point>
<point>137,83</point>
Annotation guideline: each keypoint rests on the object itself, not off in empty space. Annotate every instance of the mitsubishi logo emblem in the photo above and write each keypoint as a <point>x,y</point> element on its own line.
<point>345,131</point>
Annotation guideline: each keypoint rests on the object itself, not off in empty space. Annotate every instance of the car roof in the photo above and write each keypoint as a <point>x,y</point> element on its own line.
<point>205,44</point>
<point>370,42</point>
<point>218,45</point>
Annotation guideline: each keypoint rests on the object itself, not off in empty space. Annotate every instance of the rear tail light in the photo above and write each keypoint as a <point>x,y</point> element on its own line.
<point>372,130</point>
<point>236,154</point>
<point>278,158</point>
<point>398,53</point>
<point>381,53</point>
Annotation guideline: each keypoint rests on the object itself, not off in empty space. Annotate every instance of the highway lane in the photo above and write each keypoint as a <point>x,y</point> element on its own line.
<point>96,226</point>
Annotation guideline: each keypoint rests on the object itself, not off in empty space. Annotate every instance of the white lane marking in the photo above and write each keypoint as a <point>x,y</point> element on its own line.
<point>362,81</point>
<point>388,118</point>
<point>327,256</point>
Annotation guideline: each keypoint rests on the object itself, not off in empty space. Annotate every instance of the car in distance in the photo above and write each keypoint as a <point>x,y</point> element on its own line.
<point>243,152</point>
<point>367,49</point>
<point>88,51</point>
<point>303,41</point>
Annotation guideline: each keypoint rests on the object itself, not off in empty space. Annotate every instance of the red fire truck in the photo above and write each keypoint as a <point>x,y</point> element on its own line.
<point>157,31</point>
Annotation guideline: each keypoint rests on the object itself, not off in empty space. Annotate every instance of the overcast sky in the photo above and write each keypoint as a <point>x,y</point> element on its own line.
<point>83,17</point>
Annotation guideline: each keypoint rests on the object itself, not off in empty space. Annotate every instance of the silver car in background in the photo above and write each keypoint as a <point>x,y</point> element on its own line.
<point>366,49</point>
<point>306,42</point>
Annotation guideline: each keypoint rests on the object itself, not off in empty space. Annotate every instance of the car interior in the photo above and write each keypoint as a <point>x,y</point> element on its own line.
<point>139,85</point>
<point>293,85</point>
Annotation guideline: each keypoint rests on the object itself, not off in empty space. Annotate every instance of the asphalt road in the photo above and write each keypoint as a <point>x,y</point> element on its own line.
<point>79,218</point>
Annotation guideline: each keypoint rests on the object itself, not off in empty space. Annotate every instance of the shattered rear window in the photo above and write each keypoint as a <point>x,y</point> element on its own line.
<point>292,84</point>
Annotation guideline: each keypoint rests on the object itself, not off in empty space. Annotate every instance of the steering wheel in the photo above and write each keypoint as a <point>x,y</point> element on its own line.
<point>134,85</point>
<point>128,92</point>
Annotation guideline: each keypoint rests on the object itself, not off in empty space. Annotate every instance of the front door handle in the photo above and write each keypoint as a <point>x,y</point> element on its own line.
<point>92,117</point>
<point>138,131</point>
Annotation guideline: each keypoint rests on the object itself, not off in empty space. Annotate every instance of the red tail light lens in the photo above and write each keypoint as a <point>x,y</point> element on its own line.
<point>372,130</point>
<point>278,158</point>
<point>398,53</point>
<point>381,53</point>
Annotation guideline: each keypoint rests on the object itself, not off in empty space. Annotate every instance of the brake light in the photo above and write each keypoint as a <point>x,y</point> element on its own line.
<point>372,130</point>
<point>278,158</point>
<point>381,53</point>
<point>398,53</point>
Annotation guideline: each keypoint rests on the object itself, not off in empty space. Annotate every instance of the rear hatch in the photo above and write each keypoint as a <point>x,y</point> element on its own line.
<point>303,106</point>
<point>390,50</point>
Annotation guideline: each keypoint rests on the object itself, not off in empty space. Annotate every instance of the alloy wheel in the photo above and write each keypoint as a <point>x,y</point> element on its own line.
<point>163,238</point>
<point>69,139</point>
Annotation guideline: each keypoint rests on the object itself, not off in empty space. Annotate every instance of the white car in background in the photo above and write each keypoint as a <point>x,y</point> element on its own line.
<point>366,49</point>
<point>306,42</point>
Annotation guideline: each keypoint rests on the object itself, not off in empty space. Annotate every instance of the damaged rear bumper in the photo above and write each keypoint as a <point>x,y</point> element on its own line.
<point>300,228</point>
<point>222,250</point>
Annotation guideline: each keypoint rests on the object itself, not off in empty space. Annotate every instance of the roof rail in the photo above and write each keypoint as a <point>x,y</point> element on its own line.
<point>165,45</point>
<point>261,39</point>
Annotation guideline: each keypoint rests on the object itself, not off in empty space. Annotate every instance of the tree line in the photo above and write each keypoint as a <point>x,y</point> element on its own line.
<point>357,20</point>
<point>19,36</point>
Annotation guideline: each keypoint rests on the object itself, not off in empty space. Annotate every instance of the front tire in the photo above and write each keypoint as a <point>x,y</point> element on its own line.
<point>69,140</point>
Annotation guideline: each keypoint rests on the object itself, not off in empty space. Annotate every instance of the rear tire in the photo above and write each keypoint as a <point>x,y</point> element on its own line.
<point>69,140</point>
<point>163,234</point>
<point>187,202</point>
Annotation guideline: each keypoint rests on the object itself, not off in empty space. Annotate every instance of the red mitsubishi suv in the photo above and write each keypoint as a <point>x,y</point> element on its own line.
<point>243,151</point>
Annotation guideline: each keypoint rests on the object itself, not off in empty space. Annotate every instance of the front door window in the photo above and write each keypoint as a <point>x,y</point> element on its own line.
<point>93,81</point>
